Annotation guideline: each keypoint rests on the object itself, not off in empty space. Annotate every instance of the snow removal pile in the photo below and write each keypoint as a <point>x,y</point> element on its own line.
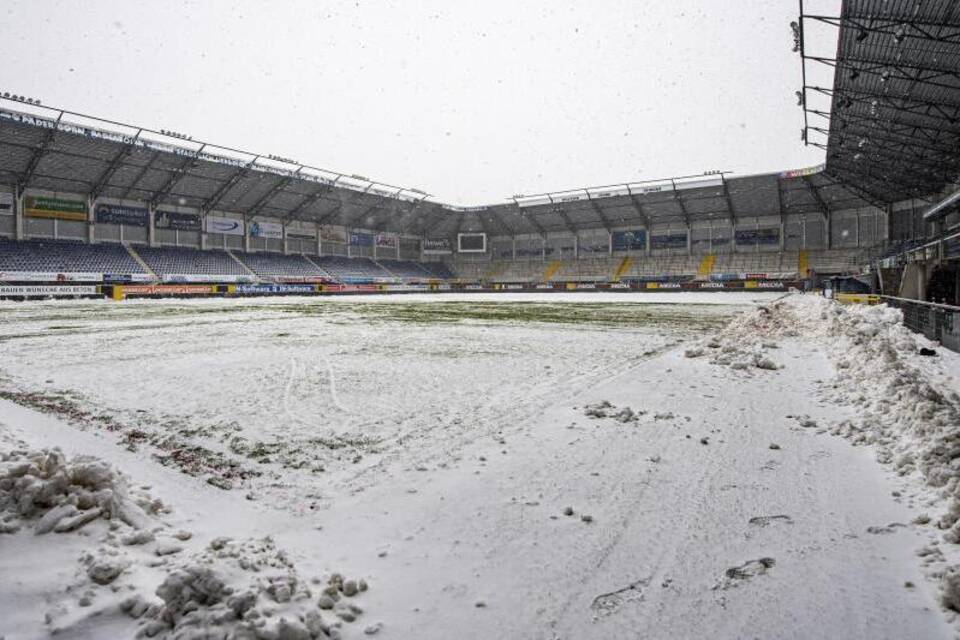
<point>898,407</point>
<point>134,576</point>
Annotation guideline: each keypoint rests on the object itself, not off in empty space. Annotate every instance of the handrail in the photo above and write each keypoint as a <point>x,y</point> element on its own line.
<point>935,305</point>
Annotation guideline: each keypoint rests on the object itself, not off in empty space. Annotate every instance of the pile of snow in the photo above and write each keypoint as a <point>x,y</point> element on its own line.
<point>899,409</point>
<point>44,490</point>
<point>229,589</point>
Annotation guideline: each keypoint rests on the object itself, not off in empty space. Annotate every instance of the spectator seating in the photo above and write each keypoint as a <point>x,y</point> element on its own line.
<point>66,256</point>
<point>343,268</point>
<point>406,269</point>
<point>278,265</point>
<point>181,261</point>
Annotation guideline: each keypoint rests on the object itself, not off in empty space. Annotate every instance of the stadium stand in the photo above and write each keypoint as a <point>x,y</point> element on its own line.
<point>65,256</point>
<point>406,269</point>
<point>274,265</point>
<point>438,270</point>
<point>353,269</point>
<point>182,261</point>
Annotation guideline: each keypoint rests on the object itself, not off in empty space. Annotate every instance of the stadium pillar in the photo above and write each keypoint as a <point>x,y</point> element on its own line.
<point>91,223</point>
<point>647,243</point>
<point>320,240</point>
<point>151,226</point>
<point>780,243</point>
<point>286,247</point>
<point>576,247</point>
<point>689,241</point>
<point>828,239</point>
<point>609,243</point>
<point>18,213</point>
<point>514,239</point>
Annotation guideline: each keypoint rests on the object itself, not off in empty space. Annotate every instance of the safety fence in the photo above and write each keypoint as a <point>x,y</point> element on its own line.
<point>938,322</point>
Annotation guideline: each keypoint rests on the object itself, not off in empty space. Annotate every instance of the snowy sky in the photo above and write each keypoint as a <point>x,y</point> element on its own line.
<point>471,101</point>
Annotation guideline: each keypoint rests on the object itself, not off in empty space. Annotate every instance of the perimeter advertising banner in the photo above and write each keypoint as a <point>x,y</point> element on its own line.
<point>437,246</point>
<point>177,221</point>
<point>120,214</point>
<point>226,226</point>
<point>57,208</point>
<point>49,276</point>
<point>633,240</point>
<point>275,288</point>
<point>167,289</point>
<point>48,290</point>
<point>266,230</point>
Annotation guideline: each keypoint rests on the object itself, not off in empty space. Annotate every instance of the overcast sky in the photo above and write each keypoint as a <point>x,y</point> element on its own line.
<point>470,101</point>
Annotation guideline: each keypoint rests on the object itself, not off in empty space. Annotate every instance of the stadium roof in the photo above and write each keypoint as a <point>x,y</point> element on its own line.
<point>893,129</point>
<point>59,150</point>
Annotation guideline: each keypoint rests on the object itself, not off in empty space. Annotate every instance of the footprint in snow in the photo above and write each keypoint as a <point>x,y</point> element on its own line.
<point>763,521</point>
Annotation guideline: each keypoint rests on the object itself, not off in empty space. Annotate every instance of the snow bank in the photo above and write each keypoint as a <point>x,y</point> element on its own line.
<point>44,490</point>
<point>913,423</point>
<point>229,589</point>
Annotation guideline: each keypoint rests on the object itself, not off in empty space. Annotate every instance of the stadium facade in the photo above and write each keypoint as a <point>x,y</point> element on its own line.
<point>94,203</point>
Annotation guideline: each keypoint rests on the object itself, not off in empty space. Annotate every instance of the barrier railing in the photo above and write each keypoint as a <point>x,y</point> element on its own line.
<point>939,322</point>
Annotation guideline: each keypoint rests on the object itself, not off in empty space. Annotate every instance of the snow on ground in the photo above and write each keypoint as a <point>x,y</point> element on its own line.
<point>512,465</point>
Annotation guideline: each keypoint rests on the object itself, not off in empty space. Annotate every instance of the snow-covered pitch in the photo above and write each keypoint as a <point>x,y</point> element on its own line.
<point>543,466</point>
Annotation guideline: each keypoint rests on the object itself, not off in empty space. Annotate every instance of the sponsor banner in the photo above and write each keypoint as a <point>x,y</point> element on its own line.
<point>797,173</point>
<point>620,285</point>
<point>407,287</point>
<point>633,240</point>
<point>167,289</point>
<point>472,287</point>
<point>49,276</point>
<point>120,214</point>
<point>6,203</point>
<point>226,226</point>
<point>758,236</point>
<point>663,285</point>
<point>437,246</point>
<point>358,239</point>
<point>266,230</point>
<point>176,221</point>
<point>586,285</point>
<point>48,290</point>
<point>668,241</point>
<point>386,241</point>
<point>711,285</point>
<point>59,208</point>
<point>296,279</point>
<point>199,277</point>
<point>333,234</point>
<point>366,288</point>
<point>301,234</point>
<point>276,288</point>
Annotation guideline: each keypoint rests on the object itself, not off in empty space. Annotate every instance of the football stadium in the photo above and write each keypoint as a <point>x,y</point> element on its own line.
<point>243,397</point>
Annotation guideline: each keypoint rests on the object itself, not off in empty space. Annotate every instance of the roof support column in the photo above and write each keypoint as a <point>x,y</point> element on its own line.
<point>781,239</point>
<point>689,239</point>
<point>18,222</point>
<point>609,243</point>
<point>648,243</point>
<point>151,226</point>
<point>92,223</point>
